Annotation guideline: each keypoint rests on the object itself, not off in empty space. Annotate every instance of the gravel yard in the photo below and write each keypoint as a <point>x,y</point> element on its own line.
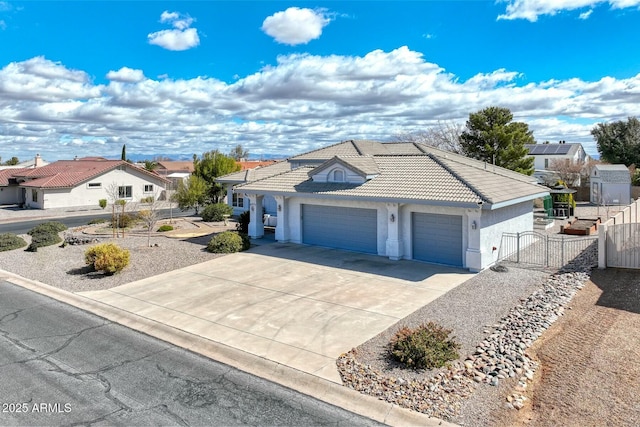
<point>65,268</point>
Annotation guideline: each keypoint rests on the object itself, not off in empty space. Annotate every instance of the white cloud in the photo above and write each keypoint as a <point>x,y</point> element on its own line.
<point>300,103</point>
<point>3,25</point>
<point>181,37</point>
<point>586,15</point>
<point>532,9</point>
<point>126,75</point>
<point>295,25</point>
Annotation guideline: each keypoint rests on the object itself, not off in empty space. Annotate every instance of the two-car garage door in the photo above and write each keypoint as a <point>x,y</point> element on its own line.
<point>437,238</point>
<point>354,229</point>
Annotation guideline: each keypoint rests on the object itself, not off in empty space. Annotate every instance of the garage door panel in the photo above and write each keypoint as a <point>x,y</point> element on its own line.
<point>340,227</point>
<point>437,238</point>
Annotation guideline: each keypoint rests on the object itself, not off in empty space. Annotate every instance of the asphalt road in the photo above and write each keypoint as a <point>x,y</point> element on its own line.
<point>22,226</point>
<point>62,366</point>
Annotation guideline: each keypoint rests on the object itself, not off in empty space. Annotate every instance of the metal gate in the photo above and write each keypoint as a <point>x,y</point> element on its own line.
<point>534,249</point>
<point>623,245</point>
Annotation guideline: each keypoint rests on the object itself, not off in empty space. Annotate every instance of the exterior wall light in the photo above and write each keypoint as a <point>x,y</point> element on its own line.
<point>474,225</point>
<point>392,218</point>
<point>279,208</point>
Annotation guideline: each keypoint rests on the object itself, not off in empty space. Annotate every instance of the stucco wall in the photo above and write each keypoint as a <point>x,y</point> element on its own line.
<point>510,219</point>
<point>82,195</point>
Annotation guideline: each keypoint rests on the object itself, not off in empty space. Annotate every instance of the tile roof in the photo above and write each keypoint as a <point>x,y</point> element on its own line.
<point>176,166</point>
<point>364,165</point>
<point>250,175</point>
<point>420,178</point>
<point>5,174</point>
<point>252,164</point>
<point>69,173</point>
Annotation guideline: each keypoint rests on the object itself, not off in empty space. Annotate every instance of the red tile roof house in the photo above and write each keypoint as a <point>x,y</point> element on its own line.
<point>77,183</point>
<point>398,200</point>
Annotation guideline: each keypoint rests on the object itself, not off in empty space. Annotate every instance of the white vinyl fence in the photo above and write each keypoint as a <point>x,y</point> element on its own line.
<point>619,239</point>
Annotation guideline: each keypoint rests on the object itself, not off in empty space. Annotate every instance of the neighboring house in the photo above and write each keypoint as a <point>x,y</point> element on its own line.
<point>252,164</point>
<point>167,167</point>
<point>398,200</point>
<point>544,155</point>
<point>36,162</point>
<point>610,185</point>
<point>75,183</point>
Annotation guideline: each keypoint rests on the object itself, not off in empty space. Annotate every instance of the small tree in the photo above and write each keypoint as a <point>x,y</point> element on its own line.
<point>191,193</point>
<point>444,136</point>
<point>12,161</point>
<point>619,142</point>
<point>150,216</point>
<point>238,153</point>
<point>211,165</point>
<point>567,171</point>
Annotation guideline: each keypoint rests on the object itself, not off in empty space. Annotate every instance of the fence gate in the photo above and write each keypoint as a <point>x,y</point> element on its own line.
<point>623,245</point>
<point>533,249</point>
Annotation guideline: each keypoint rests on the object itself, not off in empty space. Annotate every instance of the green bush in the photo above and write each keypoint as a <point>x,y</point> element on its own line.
<point>425,347</point>
<point>97,221</point>
<point>215,212</point>
<point>124,220</point>
<point>165,227</point>
<point>243,222</point>
<point>107,257</point>
<point>226,242</point>
<point>246,242</point>
<point>147,199</point>
<point>54,227</point>
<point>102,203</point>
<point>10,241</point>
<point>41,239</point>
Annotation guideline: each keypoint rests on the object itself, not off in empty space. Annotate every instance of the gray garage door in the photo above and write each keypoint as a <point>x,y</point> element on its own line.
<point>354,229</point>
<point>437,238</point>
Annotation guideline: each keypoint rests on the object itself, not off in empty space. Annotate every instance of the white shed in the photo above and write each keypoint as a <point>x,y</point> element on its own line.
<point>610,185</point>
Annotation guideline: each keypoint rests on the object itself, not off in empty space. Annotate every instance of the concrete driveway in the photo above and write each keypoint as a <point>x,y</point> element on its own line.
<point>297,305</point>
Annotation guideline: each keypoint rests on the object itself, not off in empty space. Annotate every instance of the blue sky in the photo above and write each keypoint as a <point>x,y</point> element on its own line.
<point>178,78</point>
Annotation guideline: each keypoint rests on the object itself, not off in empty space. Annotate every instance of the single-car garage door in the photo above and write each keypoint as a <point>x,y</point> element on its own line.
<point>437,238</point>
<point>353,229</point>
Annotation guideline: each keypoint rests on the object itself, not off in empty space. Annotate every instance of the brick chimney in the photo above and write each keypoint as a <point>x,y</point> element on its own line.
<point>37,161</point>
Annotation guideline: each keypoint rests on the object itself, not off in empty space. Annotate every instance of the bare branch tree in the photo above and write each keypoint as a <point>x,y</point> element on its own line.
<point>569,172</point>
<point>150,214</point>
<point>445,136</point>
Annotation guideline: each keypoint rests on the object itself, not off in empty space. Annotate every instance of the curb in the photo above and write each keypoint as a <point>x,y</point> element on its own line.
<point>319,388</point>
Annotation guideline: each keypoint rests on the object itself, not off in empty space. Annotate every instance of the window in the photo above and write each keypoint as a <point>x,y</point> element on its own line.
<point>337,175</point>
<point>34,196</point>
<point>148,188</point>
<point>237,200</point>
<point>124,192</point>
<point>94,185</point>
<point>546,163</point>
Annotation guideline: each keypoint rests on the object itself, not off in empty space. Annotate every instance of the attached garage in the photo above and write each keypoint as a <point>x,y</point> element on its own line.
<point>437,238</point>
<point>352,229</point>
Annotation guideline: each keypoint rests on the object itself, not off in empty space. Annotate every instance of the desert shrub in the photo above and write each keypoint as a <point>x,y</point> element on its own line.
<point>102,203</point>
<point>215,212</point>
<point>10,241</point>
<point>243,222</point>
<point>107,257</point>
<point>246,242</point>
<point>425,347</point>
<point>165,227</point>
<point>147,199</point>
<point>226,242</point>
<point>97,221</point>
<point>41,239</point>
<point>124,220</point>
<point>54,227</point>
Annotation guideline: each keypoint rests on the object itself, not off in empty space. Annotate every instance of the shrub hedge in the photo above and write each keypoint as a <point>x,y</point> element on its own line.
<point>47,227</point>
<point>426,347</point>
<point>165,227</point>
<point>41,239</point>
<point>227,242</point>
<point>243,222</point>
<point>10,241</point>
<point>107,257</point>
<point>215,212</point>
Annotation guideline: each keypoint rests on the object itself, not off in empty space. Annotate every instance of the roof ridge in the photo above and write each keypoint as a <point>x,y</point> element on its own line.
<point>273,176</point>
<point>458,177</point>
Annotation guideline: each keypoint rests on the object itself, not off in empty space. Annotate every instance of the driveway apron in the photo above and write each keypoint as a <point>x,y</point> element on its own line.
<point>301,306</point>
